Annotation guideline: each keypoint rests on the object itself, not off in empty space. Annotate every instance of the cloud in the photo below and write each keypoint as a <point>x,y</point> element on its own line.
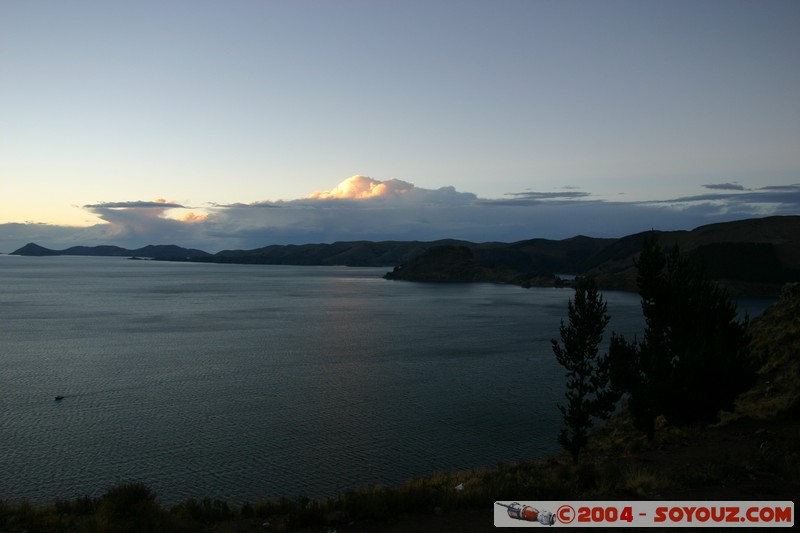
<point>538,198</point>
<point>370,192</point>
<point>783,188</point>
<point>194,218</point>
<point>134,218</point>
<point>155,204</point>
<point>266,204</point>
<point>362,187</point>
<point>364,208</point>
<point>129,224</point>
<point>778,199</point>
<point>725,186</point>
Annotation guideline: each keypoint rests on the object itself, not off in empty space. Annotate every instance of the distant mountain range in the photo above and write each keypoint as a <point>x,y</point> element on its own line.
<point>164,252</point>
<point>753,256</point>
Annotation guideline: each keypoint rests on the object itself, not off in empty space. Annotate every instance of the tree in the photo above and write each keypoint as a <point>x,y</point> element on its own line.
<point>642,369</point>
<point>708,345</point>
<point>588,394</point>
<point>693,359</point>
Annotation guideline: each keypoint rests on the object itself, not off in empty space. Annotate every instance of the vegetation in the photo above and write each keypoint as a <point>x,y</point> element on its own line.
<point>693,360</point>
<point>589,394</point>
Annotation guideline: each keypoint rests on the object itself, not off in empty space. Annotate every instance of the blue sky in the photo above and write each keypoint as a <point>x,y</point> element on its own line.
<point>212,124</point>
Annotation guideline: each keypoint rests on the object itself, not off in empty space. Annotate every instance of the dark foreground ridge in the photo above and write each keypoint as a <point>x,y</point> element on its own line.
<point>750,455</point>
<point>750,257</point>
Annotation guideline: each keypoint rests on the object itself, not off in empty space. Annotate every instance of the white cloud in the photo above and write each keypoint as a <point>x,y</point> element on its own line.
<point>363,187</point>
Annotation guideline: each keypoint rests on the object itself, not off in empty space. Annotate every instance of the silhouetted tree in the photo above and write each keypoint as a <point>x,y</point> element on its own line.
<point>588,394</point>
<point>693,359</point>
<point>642,369</point>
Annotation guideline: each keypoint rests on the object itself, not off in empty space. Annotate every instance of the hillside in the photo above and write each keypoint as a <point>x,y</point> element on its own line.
<point>352,253</point>
<point>530,262</point>
<point>753,256</point>
<point>750,257</point>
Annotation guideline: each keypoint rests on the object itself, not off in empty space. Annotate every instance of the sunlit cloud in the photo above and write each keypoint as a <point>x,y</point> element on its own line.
<point>136,223</point>
<point>368,192</point>
<point>362,187</point>
<point>132,217</point>
<point>194,218</point>
<point>113,211</point>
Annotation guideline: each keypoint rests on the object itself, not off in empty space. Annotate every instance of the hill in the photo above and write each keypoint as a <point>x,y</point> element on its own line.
<point>352,253</point>
<point>530,262</point>
<point>750,257</point>
<point>163,252</point>
<point>753,256</point>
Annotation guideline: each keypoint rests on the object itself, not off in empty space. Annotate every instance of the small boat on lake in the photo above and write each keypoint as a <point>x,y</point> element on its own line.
<point>59,398</point>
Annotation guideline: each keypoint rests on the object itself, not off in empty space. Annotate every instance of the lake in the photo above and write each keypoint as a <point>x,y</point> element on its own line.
<point>239,381</point>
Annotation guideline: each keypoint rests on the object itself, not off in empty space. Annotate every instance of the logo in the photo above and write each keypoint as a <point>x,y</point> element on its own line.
<point>529,514</point>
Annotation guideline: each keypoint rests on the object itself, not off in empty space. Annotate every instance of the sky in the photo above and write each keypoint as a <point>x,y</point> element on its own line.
<point>244,123</point>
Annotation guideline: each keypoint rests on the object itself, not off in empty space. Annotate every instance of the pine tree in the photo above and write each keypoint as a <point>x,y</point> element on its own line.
<point>588,394</point>
<point>693,359</point>
<point>708,346</point>
<point>643,369</point>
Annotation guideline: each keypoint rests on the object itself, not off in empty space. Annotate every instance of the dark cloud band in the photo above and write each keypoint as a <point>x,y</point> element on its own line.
<point>134,205</point>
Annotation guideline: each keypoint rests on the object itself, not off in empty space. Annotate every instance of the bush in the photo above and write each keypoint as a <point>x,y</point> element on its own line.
<point>130,507</point>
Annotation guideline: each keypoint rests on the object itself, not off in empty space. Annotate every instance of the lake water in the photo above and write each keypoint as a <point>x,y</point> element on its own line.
<point>236,382</point>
